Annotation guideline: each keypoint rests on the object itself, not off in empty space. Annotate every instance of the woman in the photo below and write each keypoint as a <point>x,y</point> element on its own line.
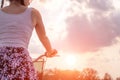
<point>17,22</point>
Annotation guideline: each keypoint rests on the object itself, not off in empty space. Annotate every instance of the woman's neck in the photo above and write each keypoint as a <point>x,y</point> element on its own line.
<point>15,3</point>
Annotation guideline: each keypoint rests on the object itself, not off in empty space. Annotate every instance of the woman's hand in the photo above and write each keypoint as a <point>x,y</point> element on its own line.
<point>51,53</point>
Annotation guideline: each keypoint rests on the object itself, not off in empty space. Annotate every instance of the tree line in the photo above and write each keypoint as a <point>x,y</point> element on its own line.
<point>85,74</point>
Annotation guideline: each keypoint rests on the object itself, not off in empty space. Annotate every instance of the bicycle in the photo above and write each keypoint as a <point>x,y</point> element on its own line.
<point>42,59</point>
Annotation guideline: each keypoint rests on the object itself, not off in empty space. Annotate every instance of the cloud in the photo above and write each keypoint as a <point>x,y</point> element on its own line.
<point>89,24</point>
<point>93,30</point>
<point>115,17</point>
<point>107,58</point>
<point>103,5</point>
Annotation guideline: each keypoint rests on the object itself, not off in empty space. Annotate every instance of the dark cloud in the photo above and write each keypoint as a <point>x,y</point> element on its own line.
<point>115,17</point>
<point>103,5</point>
<point>91,35</point>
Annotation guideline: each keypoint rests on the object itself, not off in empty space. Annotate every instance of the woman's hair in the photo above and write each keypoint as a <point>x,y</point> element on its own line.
<point>2,3</point>
<point>20,1</point>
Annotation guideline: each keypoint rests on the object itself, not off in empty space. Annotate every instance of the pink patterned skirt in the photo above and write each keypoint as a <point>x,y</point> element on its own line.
<point>16,64</point>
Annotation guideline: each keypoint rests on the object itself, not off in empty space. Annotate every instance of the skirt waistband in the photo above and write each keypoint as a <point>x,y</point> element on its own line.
<point>12,49</point>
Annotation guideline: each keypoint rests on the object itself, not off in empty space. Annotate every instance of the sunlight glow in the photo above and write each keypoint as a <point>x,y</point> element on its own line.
<point>70,60</point>
<point>116,4</point>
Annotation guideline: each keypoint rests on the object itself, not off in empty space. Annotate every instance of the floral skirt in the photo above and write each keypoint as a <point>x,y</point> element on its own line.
<point>16,64</point>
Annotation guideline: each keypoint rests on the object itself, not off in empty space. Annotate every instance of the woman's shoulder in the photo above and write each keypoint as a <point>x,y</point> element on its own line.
<point>35,13</point>
<point>36,16</point>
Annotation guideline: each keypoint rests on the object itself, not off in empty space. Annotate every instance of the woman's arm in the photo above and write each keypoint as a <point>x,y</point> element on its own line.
<point>40,30</point>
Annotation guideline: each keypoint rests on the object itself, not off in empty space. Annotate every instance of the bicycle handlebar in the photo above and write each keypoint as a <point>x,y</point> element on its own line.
<point>46,56</point>
<point>38,58</point>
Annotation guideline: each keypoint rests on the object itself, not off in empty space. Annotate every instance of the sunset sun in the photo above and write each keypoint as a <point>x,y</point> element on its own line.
<point>70,60</point>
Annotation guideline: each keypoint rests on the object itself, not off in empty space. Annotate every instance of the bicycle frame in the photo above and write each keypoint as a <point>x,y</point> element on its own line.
<point>44,59</point>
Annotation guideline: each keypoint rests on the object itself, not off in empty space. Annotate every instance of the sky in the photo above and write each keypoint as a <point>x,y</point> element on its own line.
<point>86,29</point>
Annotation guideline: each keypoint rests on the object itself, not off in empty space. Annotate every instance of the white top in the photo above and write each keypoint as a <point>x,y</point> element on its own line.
<point>16,29</point>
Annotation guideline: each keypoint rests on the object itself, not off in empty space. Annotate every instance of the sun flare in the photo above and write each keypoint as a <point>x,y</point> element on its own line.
<point>116,4</point>
<point>70,60</point>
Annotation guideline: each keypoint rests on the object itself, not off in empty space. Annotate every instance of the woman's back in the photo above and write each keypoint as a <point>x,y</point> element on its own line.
<point>16,28</point>
<point>16,25</point>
